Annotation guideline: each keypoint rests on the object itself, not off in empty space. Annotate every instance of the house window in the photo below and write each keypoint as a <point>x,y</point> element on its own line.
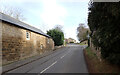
<point>48,41</point>
<point>28,35</point>
<point>41,46</point>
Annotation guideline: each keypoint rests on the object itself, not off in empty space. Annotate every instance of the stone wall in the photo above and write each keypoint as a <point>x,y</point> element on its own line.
<point>15,46</point>
<point>0,44</point>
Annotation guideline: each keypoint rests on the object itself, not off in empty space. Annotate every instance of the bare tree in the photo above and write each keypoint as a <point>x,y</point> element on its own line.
<point>58,27</point>
<point>12,11</point>
<point>82,32</point>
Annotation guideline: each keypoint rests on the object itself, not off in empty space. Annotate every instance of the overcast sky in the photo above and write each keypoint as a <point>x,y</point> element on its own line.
<point>45,14</point>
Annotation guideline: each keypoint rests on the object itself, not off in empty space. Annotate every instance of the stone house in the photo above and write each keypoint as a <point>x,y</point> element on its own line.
<point>70,40</point>
<point>20,40</point>
<point>84,42</point>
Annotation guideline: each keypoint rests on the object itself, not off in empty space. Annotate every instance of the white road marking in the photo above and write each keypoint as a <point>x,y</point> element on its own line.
<point>49,67</point>
<point>62,56</point>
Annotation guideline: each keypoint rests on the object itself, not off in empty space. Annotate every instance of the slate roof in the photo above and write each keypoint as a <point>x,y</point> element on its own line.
<point>18,23</point>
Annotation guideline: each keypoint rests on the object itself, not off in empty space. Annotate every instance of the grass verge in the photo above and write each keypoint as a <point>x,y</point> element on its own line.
<point>97,66</point>
<point>83,44</point>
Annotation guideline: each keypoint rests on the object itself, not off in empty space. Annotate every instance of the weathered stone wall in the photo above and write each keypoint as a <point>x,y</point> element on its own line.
<point>0,44</point>
<point>15,46</point>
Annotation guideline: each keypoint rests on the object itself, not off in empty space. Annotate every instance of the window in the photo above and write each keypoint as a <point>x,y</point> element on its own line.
<point>48,41</point>
<point>41,46</point>
<point>28,35</point>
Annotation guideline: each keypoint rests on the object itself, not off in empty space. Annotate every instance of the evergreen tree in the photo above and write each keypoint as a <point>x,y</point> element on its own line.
<point>58,36</point>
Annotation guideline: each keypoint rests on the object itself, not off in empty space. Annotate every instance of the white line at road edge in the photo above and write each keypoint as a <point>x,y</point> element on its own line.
<point>49,67</point>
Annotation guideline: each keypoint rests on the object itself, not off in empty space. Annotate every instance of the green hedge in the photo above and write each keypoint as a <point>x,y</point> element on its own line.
<point>104,23</point>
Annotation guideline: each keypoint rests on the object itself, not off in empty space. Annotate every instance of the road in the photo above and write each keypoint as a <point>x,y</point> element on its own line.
<point>65,60</point>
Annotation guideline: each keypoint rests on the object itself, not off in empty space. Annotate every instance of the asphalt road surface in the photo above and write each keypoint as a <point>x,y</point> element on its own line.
<point>65,60</point>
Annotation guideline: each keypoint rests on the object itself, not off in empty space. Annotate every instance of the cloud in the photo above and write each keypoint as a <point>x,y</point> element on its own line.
<point>45,14</point>
<point>36,1</point>
<point>71,33</point>
<point>53,13</point>
<point>73,0</point>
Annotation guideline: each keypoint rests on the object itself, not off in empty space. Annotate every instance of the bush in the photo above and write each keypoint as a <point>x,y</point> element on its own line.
<point>57,36</point>
<point>71,42</point>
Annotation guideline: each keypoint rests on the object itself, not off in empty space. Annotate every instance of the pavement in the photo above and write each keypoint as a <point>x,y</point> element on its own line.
<point>69,59</point>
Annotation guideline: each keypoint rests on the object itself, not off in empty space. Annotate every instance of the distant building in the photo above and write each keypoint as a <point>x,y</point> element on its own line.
<point>20,40</point>
<point>70,40</point>
<point>84,42</point>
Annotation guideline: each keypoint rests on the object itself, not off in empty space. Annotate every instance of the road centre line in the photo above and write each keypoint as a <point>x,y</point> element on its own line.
<point>64,55</point>
<point>53,63</point>
<point>49,67</point>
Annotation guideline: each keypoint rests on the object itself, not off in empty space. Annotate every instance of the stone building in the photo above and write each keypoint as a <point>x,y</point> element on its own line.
<point>84,42</point>
<point>70,40</point>
<point>20,40</point>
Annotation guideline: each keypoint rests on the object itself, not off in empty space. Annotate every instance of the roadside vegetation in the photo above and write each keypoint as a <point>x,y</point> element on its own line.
<point>83,44</point>
<point>57,35</point>
<point>82,32</point>
<point>104,24</point>
<point>97,66</point>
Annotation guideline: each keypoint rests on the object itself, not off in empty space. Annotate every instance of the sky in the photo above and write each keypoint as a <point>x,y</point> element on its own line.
<point>45,14</point>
